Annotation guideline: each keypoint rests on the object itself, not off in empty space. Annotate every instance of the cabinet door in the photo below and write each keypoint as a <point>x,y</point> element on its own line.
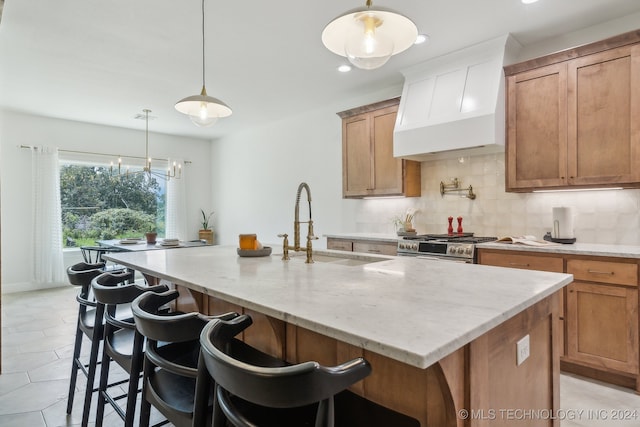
<point>537,128</point>
<point>603,125</point>
<point>356,156</point>
<point>602,326</point>
<point>387,170</point>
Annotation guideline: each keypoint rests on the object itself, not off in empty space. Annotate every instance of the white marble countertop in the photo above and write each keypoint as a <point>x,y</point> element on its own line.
<point>378,237</point>
<point>411,310</point>
<point>594,249</point>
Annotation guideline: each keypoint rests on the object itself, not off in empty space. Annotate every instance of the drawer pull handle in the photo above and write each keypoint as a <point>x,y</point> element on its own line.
<point>518,264</point>
<point>608,273</point>
<point>375,251</point>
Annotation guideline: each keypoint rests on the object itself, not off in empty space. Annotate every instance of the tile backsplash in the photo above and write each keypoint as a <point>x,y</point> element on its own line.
<point>600,216</point>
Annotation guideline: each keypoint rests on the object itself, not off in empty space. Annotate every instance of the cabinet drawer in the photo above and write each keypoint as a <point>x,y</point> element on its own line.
<point>376,248</point>
<point>526,262</point>
<point>604,271</point>
<point>339,244</point>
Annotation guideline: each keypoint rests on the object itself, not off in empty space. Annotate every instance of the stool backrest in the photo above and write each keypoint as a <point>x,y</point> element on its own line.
<point>275,387</point>
<point>111,288</point>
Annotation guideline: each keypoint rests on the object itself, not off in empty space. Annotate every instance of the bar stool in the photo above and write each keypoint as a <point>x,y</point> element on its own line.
<point>244,392</point>
<point>81,275</point>
<point>170,359</point>
<point>97,335</point>
<point>94,254</point>
<point>121,343</point>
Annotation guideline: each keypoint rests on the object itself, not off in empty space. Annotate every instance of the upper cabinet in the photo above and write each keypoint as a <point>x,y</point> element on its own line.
<point>572,118</point>
<point>368,166</point>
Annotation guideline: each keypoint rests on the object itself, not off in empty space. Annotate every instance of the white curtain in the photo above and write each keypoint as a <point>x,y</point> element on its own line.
<point>48,263</point>
<point>176,221</point>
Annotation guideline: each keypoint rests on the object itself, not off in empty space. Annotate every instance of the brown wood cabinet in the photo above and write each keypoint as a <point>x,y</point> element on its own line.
<point>598,311</point>
<point>364,246</point>
<point>602,314</point>
<point>368,166</point>
<point>571,118</point>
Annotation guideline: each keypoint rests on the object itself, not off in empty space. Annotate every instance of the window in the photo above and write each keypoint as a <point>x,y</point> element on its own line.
<point>98,204</point>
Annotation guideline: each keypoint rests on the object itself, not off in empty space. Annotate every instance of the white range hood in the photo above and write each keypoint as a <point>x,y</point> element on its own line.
<point>453,105</point>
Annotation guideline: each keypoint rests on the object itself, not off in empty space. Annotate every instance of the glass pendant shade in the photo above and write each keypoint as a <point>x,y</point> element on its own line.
<point>369,37</point>
<point>203,110</point>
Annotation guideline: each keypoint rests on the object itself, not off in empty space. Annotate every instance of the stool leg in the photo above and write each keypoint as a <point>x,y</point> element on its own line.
<point>104,378</point>
<point>93,361</point>
<point>145,406</point>
<point>134,375</point>
<point>77,347</point>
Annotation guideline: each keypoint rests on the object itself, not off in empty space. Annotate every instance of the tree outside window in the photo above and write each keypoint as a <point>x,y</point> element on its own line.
<point>99,206</point>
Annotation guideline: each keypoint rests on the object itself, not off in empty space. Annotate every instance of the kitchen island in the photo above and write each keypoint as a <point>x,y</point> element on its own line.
<point>441,337</point>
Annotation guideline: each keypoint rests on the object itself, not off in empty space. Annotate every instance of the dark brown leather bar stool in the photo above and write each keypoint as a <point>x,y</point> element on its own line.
<point>120,342</point>
<point>81,275</point>
<point>170,359</point>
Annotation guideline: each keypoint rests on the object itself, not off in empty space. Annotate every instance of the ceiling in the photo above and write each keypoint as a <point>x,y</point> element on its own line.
<point>104,61</point>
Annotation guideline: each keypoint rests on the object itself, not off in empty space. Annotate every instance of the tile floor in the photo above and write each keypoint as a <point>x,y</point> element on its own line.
<point>37,346</point>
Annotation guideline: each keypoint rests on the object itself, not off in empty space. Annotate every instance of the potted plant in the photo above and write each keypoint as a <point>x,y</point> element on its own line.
<point>206,233</point>
<point>151,236</point>
<point>404,223</point>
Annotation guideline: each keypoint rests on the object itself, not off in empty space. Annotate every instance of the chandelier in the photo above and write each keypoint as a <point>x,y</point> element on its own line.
<point>173,171</point>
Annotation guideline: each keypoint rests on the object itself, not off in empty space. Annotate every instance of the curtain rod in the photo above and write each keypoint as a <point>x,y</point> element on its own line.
<point>101,154</point>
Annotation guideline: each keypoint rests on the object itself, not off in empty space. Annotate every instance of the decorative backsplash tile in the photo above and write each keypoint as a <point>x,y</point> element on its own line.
<point>606,216</point>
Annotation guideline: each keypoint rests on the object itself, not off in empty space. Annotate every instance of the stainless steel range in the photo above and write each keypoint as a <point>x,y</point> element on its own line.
<point>456,247</point>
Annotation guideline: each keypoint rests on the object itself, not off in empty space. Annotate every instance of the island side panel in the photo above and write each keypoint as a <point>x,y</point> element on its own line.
<point>505,394</point>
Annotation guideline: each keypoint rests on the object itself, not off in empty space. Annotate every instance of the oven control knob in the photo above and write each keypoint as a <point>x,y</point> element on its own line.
<point>468,251</point>
<point>401,246</point>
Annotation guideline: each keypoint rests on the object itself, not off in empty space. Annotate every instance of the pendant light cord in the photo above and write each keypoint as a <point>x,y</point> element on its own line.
<point>203,44</point>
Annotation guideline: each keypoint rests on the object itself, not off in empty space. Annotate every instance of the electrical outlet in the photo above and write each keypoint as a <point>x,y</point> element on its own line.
<point>522,350</point>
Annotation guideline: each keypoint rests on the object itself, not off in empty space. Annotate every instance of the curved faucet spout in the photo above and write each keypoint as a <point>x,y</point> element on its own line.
<point>296,225</point>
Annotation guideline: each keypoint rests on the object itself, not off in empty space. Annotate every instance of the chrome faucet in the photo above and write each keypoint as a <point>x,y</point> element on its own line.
<point>296,229</point>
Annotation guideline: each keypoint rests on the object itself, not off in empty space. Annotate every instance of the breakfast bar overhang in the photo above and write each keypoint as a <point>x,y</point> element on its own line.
<point>442,341</point>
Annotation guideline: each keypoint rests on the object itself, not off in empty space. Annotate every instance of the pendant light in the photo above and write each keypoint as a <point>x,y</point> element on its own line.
<point>369,36</point>
<point>203,110</point>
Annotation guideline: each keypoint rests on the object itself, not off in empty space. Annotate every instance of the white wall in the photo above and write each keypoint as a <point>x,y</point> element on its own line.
<point>256,174</point>
<point>15,169</point>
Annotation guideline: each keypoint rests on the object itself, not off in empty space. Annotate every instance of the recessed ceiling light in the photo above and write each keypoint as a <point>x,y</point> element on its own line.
<point>344,68</point>
<point>422,38</point>
<point>528,1</point>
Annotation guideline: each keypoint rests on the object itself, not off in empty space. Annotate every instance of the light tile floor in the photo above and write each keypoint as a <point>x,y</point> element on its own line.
<point>38,330</point>
<point>37,346</point>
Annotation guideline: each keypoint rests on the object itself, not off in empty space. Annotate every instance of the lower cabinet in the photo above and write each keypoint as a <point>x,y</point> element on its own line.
<point>364,246</point>
<point>598,313</point>
<point>602,326</point>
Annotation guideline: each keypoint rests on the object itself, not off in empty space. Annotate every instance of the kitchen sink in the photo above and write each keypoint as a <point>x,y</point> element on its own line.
<point>337,257</point>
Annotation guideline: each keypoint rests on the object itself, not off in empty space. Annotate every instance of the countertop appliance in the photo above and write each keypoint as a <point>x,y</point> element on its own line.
<point>457,247</point>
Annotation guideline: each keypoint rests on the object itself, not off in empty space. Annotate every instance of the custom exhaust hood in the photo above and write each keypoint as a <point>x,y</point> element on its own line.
<point>453,105</point>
